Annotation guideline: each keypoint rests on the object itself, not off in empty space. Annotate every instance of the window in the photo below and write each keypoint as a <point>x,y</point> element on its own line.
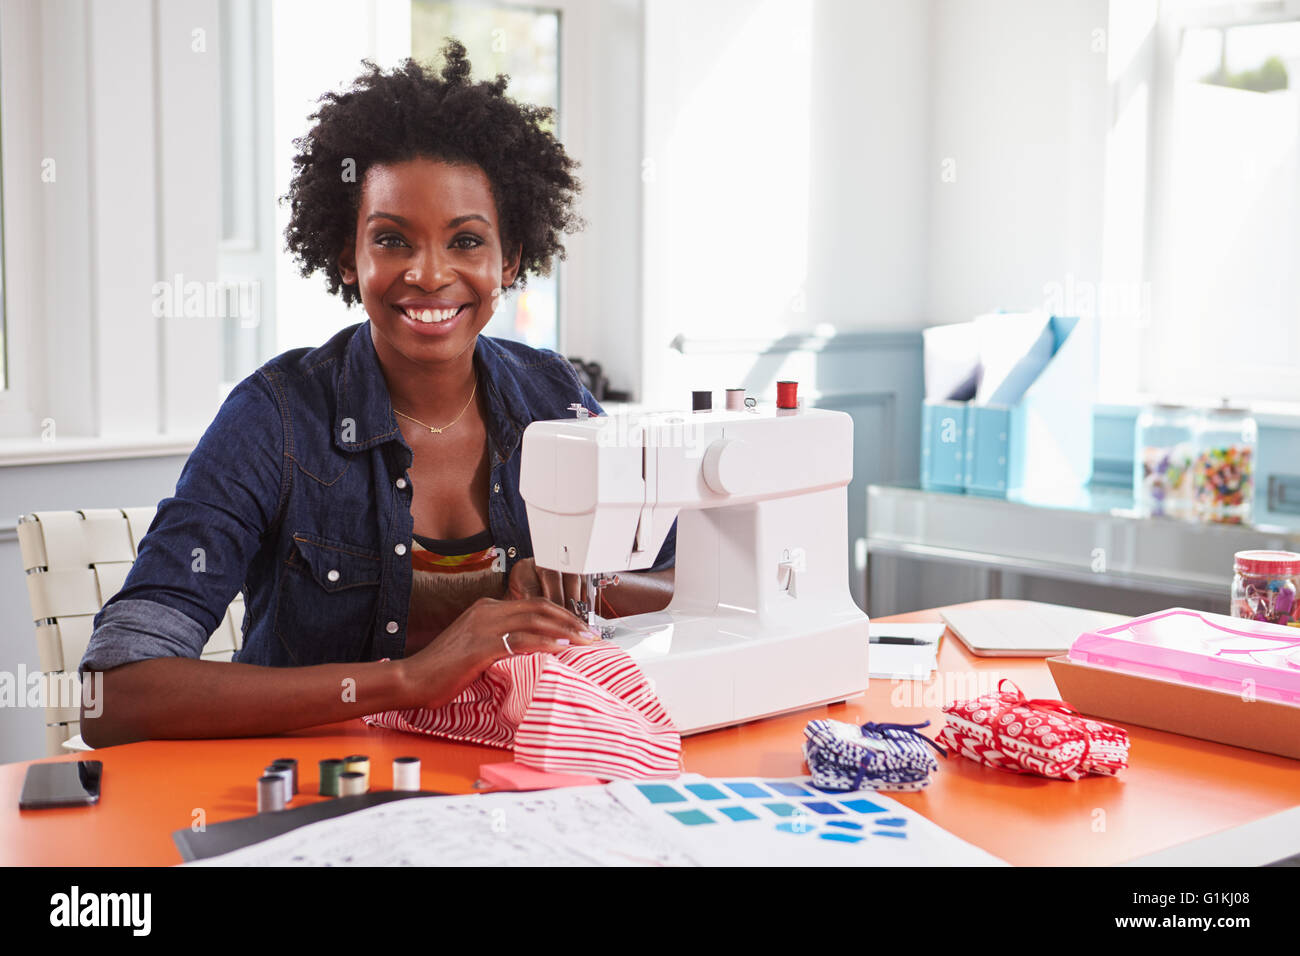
<point>1225,213</point>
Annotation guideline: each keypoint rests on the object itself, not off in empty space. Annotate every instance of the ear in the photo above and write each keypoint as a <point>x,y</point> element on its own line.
<point>348,263</point>
<point>510,265</point>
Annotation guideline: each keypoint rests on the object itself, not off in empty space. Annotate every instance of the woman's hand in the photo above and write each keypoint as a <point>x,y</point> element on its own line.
<point>472,642</point>
<point>527,580</point>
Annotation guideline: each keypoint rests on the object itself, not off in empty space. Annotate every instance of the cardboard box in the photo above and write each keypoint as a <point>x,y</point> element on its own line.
<point>1216,715</point>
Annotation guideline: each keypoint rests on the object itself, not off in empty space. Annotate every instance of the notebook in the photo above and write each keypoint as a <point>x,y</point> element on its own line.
<point>1008,628</point>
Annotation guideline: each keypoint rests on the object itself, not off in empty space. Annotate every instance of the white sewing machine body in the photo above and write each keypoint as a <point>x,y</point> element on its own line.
<point>761,620</point>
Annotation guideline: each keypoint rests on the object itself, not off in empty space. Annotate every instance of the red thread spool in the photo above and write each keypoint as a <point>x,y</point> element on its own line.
<point>787,395</point>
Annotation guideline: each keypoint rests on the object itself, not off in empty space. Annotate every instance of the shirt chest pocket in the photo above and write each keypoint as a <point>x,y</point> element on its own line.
<point>327,596</point>
<point>335,565</point>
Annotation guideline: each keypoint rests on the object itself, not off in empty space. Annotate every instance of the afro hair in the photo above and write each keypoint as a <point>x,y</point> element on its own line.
<point>410,112</point>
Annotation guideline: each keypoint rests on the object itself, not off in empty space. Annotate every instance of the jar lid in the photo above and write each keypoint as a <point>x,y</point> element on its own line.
<point>1267,562</point>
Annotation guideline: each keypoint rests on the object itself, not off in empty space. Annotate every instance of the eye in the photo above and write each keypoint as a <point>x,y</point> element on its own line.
<point>389,240</point>
<point>473,240</point>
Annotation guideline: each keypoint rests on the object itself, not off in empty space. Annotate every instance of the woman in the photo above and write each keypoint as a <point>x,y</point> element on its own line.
<point>364,495</point>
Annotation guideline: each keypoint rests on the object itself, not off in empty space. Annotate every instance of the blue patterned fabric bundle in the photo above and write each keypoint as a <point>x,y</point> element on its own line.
<point>871,757</point>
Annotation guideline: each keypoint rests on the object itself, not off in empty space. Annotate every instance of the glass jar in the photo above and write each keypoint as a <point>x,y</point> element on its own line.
<point>1162,460</point>
<point>1264,586</point>
<point>1224,475</point>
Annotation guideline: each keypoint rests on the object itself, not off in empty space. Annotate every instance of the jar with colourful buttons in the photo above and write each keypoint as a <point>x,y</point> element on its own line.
<point>1225,465</point>
<point>1264,586</point>
<point>1163,458</point>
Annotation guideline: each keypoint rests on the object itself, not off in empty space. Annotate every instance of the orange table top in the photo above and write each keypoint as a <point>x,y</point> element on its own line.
<point>1176,788</point>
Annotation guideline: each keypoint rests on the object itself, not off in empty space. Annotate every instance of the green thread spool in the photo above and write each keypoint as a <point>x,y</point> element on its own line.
<point>329,777</point>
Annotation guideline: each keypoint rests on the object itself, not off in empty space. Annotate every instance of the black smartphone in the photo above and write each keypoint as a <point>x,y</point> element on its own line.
<point>73,783</point>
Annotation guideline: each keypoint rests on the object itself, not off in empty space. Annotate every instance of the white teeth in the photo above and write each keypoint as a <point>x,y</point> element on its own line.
<point>430,316</point>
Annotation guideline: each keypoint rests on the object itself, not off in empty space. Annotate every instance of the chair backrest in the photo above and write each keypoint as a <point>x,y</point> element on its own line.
<point>75,561</point>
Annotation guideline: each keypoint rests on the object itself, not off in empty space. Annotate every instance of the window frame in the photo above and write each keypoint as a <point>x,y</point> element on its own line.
<point>23,263</point>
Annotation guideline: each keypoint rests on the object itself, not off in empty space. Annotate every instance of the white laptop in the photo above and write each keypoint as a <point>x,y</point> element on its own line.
<point>1007,628</point>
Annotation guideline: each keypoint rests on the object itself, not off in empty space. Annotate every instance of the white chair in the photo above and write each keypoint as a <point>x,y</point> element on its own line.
<point>75,561</point>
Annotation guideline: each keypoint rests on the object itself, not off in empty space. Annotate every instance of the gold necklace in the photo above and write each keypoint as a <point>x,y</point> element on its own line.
<point>439,431</point>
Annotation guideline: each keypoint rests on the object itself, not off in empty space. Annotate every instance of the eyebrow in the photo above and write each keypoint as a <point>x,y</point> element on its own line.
<point>452,223</point>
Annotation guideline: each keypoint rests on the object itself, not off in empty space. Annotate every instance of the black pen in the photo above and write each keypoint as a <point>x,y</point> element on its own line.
<point>909,641</point>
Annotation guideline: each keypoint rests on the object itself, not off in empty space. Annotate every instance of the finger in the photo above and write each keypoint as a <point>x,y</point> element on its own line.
<point>552,587</point>
<point>541,615</point>
<point>530,642</point>
<point>523,580</point>
<point>573,590</point>
<point>524,610</point>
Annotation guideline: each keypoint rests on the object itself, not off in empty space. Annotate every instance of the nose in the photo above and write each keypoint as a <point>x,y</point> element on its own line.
<point>429,268</point>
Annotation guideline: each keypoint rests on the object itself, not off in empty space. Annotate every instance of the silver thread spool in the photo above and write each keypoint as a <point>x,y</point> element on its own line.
<point>270,793</point>
<point>286,779</point>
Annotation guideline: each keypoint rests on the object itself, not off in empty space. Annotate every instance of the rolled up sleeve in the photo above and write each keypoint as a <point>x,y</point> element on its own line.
<point>137,630</point>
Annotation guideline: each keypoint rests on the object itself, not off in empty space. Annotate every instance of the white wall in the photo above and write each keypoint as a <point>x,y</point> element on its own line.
<point>725,174</point>
<point>871,170</point>
<point>1018,107</point>
<point>800,152</point>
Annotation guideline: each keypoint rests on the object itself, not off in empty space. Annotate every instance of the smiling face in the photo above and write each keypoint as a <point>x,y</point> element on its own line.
<point>427,259</point>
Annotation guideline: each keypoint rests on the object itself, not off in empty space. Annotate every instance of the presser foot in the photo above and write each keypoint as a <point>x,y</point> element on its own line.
<point>591,619</point>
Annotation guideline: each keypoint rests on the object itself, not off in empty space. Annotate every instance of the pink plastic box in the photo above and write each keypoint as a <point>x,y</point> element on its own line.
<point>1203,650</point>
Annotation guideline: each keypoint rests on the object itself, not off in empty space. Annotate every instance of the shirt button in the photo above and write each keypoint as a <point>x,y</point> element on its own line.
<point>510,551</point>
<point>400,548</point>
<point>391,627</point>
<point>333,575</point>
<point>497,488</point>
<point>401,482</point>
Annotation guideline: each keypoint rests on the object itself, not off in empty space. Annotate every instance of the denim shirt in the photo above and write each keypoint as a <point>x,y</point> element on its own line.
<point>299,495</point>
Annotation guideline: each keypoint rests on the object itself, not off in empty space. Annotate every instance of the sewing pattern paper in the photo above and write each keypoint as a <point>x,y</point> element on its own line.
<point>687,821</point>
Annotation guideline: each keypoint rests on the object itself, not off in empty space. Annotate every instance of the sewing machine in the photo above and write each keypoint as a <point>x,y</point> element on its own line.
<point>761,620</point>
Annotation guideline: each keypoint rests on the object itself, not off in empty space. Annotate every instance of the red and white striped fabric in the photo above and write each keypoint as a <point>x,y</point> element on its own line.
<point>586,710</point>
<point>1044,737</point>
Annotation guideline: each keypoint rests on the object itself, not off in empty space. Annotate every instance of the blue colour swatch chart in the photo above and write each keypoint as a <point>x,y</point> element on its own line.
<point>752,820</point>
<point>793,807</point>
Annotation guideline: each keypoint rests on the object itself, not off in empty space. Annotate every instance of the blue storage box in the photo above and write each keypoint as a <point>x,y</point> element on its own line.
<point>943,445</point>
<point>1041,444</point>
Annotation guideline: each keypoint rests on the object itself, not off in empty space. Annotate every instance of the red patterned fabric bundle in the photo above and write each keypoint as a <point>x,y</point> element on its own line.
<point>1044,737</point>
<point>586,710</point>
